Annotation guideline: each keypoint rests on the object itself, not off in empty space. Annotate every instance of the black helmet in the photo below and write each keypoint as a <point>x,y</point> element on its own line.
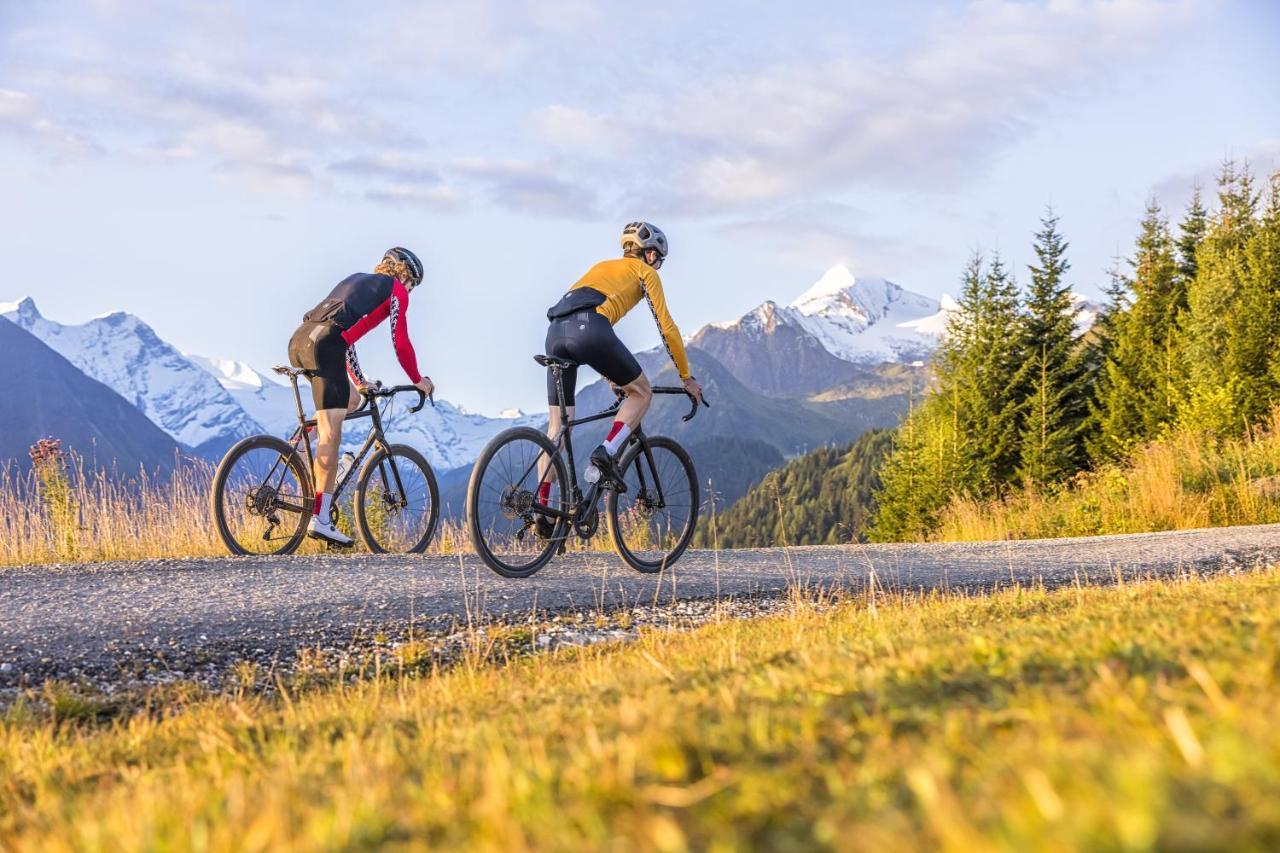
<point>409,259</point>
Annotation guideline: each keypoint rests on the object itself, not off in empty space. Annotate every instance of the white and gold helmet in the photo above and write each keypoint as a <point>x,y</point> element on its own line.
<point>643,235</point>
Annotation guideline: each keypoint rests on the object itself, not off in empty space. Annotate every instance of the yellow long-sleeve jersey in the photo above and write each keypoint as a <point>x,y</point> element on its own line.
<point>623,281</point>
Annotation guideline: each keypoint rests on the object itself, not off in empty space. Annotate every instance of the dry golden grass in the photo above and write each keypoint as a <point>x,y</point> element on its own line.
<point>1181,482</point>
<point>1136,717</point>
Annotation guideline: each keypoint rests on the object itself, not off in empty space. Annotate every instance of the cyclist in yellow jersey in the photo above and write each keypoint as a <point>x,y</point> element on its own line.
<point>582,331</point>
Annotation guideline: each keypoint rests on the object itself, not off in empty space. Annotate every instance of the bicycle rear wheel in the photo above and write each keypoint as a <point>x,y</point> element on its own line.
<point>262,497</point>
<point>397,501</point>
<point>500,499</point>
<point>653,521</point>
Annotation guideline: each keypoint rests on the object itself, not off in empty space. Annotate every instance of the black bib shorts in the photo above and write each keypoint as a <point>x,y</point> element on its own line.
<point>587,338</point>
<point>320,349</point>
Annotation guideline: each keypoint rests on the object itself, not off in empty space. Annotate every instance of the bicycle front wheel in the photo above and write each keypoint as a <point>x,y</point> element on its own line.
<point>653,521</point>
<point>262,497</point>
<point>501,517</point>
<point>397,501</point>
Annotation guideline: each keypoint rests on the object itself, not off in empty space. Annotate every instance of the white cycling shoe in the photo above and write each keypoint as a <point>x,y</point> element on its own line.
<point>327,532</point>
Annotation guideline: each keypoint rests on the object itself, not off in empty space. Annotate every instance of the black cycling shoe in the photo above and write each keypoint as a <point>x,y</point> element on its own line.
<point>609,476</point>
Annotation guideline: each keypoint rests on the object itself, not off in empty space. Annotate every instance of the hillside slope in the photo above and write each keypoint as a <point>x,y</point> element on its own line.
<point>821,498</point>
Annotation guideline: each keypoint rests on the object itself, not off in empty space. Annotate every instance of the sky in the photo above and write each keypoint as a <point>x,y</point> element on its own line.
<point>217,168</point>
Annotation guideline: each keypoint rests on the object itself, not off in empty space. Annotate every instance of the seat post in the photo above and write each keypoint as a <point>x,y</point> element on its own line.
<point>297,398</point>
<point>564,409</point>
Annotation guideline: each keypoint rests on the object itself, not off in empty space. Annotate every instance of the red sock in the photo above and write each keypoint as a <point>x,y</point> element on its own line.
<point>315,510</point>
<point>544,493</point>
<point>617,435</point>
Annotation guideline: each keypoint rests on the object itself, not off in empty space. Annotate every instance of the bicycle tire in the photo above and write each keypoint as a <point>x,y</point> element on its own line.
<point>221,476</point>
<point>363,509</point>
<point>476,525</point>
<point>663,559</point>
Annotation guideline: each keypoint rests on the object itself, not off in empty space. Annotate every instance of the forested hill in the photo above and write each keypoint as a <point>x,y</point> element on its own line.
<point>825,498</point>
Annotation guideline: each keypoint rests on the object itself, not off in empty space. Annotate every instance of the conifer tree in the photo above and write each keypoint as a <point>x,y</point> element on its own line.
<point>1225,349</point>
<point>987,394</point>
<point>1194,226</point>
<point>1050,380</point>
<point>1099,352</point>
<point>1138,398</point>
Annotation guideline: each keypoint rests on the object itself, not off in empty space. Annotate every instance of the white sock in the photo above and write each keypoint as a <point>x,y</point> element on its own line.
<point>617,435</point>
<point>326,501</point>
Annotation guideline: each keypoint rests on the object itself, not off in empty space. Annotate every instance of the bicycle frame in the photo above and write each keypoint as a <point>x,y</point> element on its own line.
<point>376,437</point>
<point>583,505</point>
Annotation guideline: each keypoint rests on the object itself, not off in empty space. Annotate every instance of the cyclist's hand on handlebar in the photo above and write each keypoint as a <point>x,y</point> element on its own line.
<point>426,386</point>
<point>693,389</point>
<point>368,388</point>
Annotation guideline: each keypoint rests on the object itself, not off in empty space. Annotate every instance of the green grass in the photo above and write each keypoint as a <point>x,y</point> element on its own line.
<point>1130,717</point>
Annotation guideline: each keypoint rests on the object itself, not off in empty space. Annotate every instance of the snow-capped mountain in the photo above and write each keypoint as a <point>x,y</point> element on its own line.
<point>866,320</point>
<point>858,320</point>
<point>264,397</point>
<point>125,354</point>
<point>831,335</point>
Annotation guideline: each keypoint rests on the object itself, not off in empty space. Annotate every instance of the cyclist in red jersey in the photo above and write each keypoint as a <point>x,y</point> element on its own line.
<point>325,346</point>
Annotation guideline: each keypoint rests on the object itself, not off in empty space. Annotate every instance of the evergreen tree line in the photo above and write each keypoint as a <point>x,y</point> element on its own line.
<point>1022,399</point>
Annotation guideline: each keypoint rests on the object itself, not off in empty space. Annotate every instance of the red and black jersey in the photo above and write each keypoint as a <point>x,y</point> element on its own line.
<point>359,303</point>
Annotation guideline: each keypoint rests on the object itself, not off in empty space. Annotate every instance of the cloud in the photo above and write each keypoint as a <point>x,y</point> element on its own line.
<point>529,188</point>
<point>23,117</point>
<point>829,230</point>
<point>312,103</point>
<point>939,113</point>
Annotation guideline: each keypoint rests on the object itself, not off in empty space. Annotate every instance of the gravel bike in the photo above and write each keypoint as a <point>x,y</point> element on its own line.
<point>263,494</point>
<point>651,521</point>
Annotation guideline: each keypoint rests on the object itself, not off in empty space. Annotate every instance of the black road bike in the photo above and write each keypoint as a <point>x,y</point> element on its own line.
<point>651,521</point>
<point>263,495</point>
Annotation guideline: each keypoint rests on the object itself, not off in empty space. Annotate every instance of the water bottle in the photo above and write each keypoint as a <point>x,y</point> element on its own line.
<point>344,464</point>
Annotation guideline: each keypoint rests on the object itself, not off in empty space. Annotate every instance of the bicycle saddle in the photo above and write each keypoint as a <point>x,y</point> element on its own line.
<point>285,370</point>
<point>554,363</point>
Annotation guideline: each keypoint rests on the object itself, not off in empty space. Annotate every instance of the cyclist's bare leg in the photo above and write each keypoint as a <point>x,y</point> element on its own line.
<point>328,439</point>
<point>545,472</point>
<point>639,396</point>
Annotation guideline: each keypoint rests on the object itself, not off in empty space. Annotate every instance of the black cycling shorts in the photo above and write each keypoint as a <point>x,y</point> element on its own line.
<point>587,338</point>
<point>320,349</point>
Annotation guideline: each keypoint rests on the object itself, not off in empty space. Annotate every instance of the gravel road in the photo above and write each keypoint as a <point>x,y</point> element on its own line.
<point>105,621</point>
